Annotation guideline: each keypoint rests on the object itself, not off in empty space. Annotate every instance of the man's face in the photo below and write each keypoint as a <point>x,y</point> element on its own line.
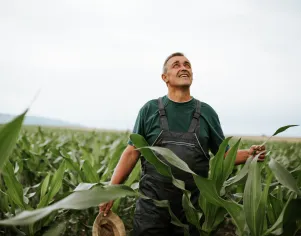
<point>178,73</point>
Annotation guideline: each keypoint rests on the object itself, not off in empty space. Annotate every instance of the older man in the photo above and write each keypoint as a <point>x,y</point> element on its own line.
<point>190,129</point>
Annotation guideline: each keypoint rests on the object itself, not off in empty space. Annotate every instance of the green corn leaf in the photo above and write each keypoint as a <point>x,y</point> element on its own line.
<point>9,134</point>
<point>131,179</point>
<point>174,219</point>
<point>14,188</point>
<point>219,217</point>
<point>45,184</point>
<point>217,165</point>
<point>4,204</point>
<point>90,173</point>
<point>77,200</point>
<point>56,181</point>
<point>84,186</point>
<point>210,216</point>
<point>229,161</point>
<point>70,164</point>
<point>206,186</point>
<point>192,215</point>
<point>252,196</point>
<point>240,176</point>
<point>172,158</point>
<point>284,176</point>
<point>282,129</point>
<point>134,174</point>
<point>54,186</point>
<point>57,230</point>
<point>208,190</point>
<point>276,228</point>
<point>114,154</point>
<point>139,142</point>
<point>264,197</point>
<point>278,131</point>
<point>291,216</point>
<point>276,204</point>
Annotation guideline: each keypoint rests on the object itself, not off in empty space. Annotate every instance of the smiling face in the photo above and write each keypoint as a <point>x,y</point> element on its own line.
<point>178,72</point>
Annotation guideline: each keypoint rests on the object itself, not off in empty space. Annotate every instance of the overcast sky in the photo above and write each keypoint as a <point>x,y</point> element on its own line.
<point>98,62</point>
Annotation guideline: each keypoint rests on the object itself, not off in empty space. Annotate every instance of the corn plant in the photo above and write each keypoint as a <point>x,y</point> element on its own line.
<point>250,216</point>
<point>43,166</point>
<point>52,181</point>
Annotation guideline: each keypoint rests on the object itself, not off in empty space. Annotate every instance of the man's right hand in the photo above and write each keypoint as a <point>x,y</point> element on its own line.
<point>105,207</point>
<point>124,167</point>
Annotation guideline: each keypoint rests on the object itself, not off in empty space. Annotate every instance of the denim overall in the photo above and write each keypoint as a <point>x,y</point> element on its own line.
<point>150,219</point>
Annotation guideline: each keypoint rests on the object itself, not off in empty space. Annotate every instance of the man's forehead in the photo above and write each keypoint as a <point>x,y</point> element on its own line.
<point>177,58</point>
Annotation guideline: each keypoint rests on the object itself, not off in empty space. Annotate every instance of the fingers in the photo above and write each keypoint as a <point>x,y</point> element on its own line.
<point>260,153</point>
<point>108,208</point>
<point>105,207</point>
<point>258,147</point>
<point>258,150</point>
<point>102,207</point>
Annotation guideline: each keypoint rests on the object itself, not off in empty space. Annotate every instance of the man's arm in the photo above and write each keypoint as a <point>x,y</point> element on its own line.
<point>243,154</point>
<point>125,165</point>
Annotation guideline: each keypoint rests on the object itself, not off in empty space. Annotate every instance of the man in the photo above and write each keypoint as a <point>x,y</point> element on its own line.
<point>189,128</point>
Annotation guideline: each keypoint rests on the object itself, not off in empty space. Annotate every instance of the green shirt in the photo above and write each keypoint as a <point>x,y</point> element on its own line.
<point>179,116</point>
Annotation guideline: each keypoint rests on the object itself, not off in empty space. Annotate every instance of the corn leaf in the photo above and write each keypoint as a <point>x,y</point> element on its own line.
<point>14,188</point>
<point>8,137</point>
<point>276,228</point>
<point>140,142</point>
<point>278,131</point>
<point>134,174</point>
<point>172,158</point>
<point>56,230</point>
<point>113,157</point>
<point>290,218</point>
<point>206,186</point>
<point>208,190</point>
<point>217,165</point>
<point>45,184</point>
<point>210,212</point>
<point>284,176</point>
<point>252,197</point>
<point>77,200</point>
<point>174,219</point>
<point>229,161</point>
<point>192,214</point>
<point>282,129</point>
<point>84,186</point>
<point>240,176</point>
<point>54,186</point>
<point>90,173</point>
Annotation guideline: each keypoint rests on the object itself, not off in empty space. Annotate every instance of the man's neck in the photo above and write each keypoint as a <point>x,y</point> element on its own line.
<point>179,95</point>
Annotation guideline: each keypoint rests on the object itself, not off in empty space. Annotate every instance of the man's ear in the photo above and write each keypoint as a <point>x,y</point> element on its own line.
<point>164,78</point>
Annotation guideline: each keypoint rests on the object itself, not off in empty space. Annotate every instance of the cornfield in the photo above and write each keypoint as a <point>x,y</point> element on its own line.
<point>52,180</point>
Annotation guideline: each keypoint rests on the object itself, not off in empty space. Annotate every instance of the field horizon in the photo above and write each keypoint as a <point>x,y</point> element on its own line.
<point>236,136</point>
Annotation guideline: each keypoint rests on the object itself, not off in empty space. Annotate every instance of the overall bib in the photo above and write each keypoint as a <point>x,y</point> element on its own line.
<point>150,219</point>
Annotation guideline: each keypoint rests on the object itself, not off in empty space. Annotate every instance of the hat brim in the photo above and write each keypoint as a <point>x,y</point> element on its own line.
<point>110,225</point>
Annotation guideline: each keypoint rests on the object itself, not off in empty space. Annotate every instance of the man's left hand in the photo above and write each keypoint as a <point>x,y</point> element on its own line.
<point>255,150</point>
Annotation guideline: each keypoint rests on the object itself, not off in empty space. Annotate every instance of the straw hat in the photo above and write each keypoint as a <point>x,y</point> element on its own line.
<point>109,225</point>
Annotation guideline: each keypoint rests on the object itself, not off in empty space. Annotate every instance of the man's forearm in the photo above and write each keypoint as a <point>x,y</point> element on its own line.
<point>242,156</point>
<point>125,165</point>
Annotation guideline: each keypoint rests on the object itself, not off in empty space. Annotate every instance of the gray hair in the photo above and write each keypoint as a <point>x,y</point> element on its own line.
<point>176,54</point>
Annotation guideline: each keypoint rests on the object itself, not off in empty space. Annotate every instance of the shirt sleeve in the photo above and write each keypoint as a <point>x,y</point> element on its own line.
<point>216,135</point>
<point>139,126</point>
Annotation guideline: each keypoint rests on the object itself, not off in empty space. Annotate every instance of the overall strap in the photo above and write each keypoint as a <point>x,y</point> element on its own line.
<point>163,118</point>
<point>195,118</point>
